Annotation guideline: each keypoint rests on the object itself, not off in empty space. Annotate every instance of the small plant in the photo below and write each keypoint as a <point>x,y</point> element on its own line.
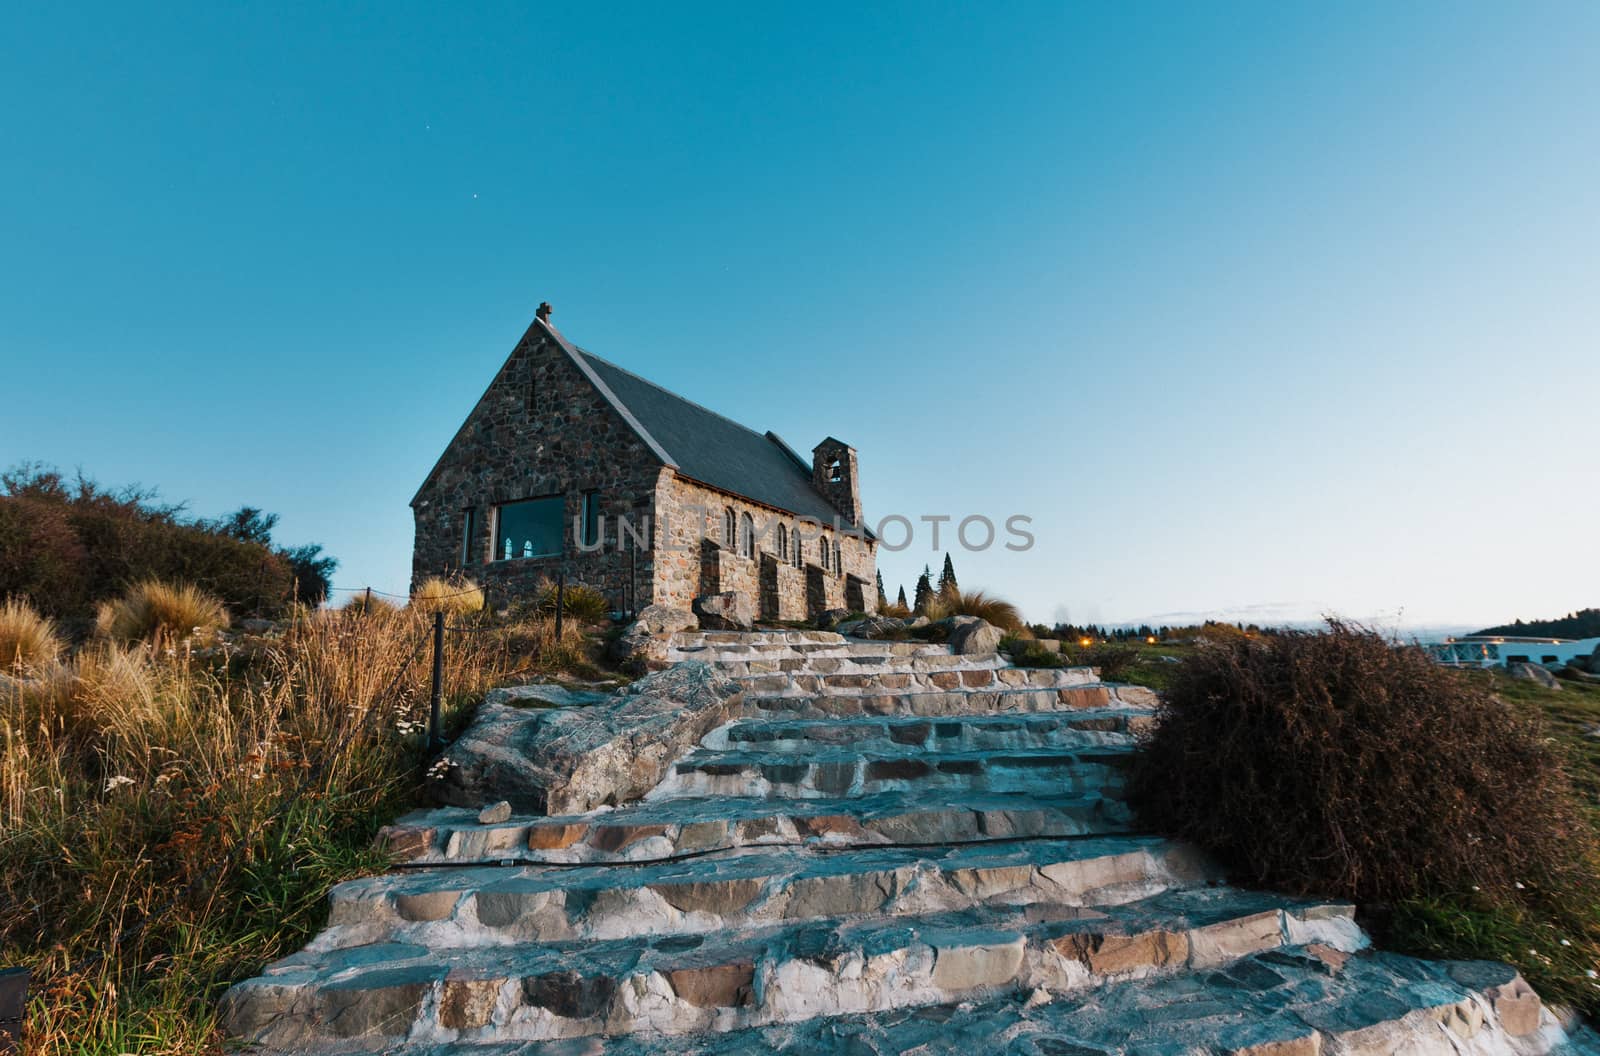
<point>1029,653</point>
<point>29,643</point>
<point>997,611</point>
<point>454,597</point>
<point>363,604</point>
<point>894,609</point>
<point>578,602</point>
<point>155,611</point>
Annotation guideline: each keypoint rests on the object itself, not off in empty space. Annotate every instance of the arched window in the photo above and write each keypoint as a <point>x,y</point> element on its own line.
<point>747,535</point>
<point>824,548</point>
<point>783,542</point>
<point>730,529</point>
<point>838,564</point>
<point>799,551</point>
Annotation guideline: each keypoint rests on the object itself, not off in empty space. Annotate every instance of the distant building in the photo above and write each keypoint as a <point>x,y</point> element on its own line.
<point>571,464</point>
<point>1483,650</point>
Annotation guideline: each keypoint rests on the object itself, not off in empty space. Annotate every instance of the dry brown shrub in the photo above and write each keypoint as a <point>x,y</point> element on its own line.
<point>29,643</point>
<point>157,611</point>
<point>454,597</point>
<point>997,611</point>
<point>1341,764</point>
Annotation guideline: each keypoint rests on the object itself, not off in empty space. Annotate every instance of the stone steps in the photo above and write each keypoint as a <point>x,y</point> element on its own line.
<point>845,649</point>
<point>858,665</point>
<point>960,733</point>
<point>955,679</point>
<point>828,771</point>
<point>1285,1002</point>
<point>729,980</point>
<point>950,703</point>
<point>485,906</point>
<point>667,828</point>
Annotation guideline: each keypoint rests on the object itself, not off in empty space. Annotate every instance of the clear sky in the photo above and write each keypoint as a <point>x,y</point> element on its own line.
<point>1263,309</point>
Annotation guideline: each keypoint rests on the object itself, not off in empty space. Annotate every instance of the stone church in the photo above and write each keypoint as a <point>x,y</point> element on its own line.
<point>570,464</point>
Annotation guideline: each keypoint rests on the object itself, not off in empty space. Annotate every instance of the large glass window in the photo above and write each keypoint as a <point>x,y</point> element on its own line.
<point>591,518</point>
<point>528,529</point>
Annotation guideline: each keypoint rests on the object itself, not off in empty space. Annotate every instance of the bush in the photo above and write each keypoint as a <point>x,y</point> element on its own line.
<point>28,642</point>
<point>894,609</point>
<point>1114,659</point>
<point>455,597</point>
<point>362,605</point>
<point>1339,764</point>
<point>67,546</point>
<point>161,612</point>
<point>579,602</point>
<point>997,611</point>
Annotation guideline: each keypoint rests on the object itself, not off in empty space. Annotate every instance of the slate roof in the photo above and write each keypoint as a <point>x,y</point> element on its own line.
<point>711,449</point>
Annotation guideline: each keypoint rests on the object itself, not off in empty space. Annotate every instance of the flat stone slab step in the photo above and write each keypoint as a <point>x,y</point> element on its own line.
<point>848,648</point>
<point>964,732</point>
<point>730,980</point>
<point>832,771</point>
<point>672,827</point>
<point>1284,1002</point>
<point>968,679</point>
<point>941,702</point>
<point>855,665</point>
<point>479,905</point>
<point>692,639</point>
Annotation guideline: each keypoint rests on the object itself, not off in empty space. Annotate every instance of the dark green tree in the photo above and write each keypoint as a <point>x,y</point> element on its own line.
<point>881,594</point>
<point>901,600</point>
<point>924,593</point>
<point>947,578</point>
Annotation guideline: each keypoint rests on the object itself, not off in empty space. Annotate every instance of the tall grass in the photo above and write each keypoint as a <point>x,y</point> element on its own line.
<point>29,643</point>
<point>578,602</point>
<point>168,825</point>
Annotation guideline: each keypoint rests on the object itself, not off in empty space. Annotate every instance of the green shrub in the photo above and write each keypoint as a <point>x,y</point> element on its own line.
<point>1338,763</point>
<point>578,602</point>
<point>1113,659</point>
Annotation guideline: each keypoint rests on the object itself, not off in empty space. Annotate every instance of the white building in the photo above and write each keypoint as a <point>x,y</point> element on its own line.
<point>1482,650</point>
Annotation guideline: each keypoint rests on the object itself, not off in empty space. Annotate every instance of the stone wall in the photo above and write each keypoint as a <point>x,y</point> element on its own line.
<point>565,441</point>
<point>695,559</point>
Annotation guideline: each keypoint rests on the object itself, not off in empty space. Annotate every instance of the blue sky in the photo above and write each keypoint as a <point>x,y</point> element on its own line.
<point>1260,309</point>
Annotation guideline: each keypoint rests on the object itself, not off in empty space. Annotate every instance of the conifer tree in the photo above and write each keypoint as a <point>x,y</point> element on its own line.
<point>901,600</point>
<point>925,593</point>
<point>882,596</point>
<point>947,578</point>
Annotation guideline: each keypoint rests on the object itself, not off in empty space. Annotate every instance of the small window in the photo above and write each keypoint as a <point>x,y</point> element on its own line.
<point>838,563</point>
<point>469,532</point>
<point>528,529</point>
<point>591,519</point>
<point>836,471</point>
<point>730,529</point>
<point>747,535</point>
<point>783,542</point>
<point>824,549</point>
<point>799,551</point>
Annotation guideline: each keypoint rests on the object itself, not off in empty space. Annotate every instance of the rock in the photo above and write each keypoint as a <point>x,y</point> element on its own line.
<point>574,760</point>
<point>257,626</point>
<point>830,619</point>
<point>543,695</point>
<point>663,619</point>
<point>731,610</point>
<point>970,635</point>
<point>1593,664</point>
<point>647,652</point>
<point>495,814</point>
<point>873,627</point>
<point>1526,672</point>
<point>716,986</point>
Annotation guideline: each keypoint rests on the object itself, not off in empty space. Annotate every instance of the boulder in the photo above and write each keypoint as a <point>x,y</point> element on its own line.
<point>969,635</point>
<point>574,760</point>
<point>544,695</point>
<point>732,610</point>
<point>1526,672</point>
<point>832,618</point>
<point>874,627</point>
<point>647,652</point>
<point>663,619</point>
<point>1593,665</point>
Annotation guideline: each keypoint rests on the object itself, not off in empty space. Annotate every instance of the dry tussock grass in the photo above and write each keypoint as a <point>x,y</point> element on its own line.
<point>455,597</point>
<point>29,643</point>
<point>160,612</point>
<point>981,604</point>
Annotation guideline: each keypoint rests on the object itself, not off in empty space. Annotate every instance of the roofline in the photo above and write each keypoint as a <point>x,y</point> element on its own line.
<point>605,390</point>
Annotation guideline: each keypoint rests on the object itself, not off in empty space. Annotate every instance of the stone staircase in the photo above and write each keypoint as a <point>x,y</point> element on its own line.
<point>889,849</point>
